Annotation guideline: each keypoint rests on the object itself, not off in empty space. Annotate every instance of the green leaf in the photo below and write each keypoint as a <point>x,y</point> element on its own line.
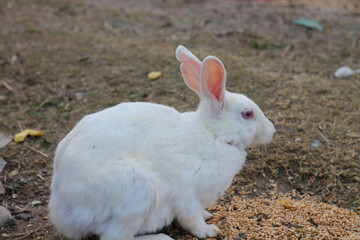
<point>313,24</point>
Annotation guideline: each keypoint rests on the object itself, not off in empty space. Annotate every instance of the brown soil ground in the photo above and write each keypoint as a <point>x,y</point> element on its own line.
<point>60,60</point>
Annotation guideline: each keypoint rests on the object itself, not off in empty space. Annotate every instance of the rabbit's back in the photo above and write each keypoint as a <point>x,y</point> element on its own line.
<point>116,132</point>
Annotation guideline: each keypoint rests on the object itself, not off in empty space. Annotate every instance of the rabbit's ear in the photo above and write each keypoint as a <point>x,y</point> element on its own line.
<point>190,68</point>
<point>213,78</point>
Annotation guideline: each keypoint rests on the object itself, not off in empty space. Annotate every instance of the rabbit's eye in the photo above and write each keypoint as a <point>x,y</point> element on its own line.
<point>247,114</point>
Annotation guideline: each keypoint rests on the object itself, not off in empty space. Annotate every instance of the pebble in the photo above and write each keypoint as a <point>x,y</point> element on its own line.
<point>13,59</point>
<point>79,95</point>
<point>2,164</point>
<point>4,140</point>
<point>36,202</point>
<point>5,216</point>
<point>345,72</point>
<point>315,144</point>
<point>2,189</point>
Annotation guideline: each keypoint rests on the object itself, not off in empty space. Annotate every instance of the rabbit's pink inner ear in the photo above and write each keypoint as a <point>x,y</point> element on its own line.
<point>191,74</point>
<point>213,74</point>
<point>190,68</point>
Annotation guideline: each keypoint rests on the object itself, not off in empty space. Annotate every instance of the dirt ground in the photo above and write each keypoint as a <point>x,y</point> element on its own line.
<point>60,60</point>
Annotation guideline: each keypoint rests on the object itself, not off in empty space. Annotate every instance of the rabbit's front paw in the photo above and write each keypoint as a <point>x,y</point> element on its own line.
<point>206,230</point>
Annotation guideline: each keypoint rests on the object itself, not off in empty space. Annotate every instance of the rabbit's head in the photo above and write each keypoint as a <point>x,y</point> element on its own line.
<point>231,117</point>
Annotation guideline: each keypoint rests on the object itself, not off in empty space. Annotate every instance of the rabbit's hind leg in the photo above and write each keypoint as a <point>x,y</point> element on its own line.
<point>160,236</point>
<point>131,196</point>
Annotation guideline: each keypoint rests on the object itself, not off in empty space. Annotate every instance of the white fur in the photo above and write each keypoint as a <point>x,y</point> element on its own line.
<point>133,168</point>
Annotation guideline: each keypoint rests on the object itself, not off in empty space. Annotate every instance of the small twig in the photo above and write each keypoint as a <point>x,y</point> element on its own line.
<point>20,126</point>
<point>42,104</point>
<point>285,168</point>
<point>289,224</point>
<point>293,54</point>
<point>353,203</point>
<point>286,50</point>
<point>41,177</point>
<point>326,140</point>
<point>77,110</point>
<point>25,209</point>
<point>38,151</point>
<point>7,86</point>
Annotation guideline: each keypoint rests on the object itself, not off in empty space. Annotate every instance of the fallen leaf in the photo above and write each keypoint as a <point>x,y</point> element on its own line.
<point>20,137</point>
<point>308,24</point>
<point>13,173</point>
<point>154,75</point>
<point>4,140</point>
<point>288,206</point>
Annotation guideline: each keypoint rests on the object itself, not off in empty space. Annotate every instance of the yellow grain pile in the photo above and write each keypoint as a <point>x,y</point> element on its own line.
<point>274,215</point>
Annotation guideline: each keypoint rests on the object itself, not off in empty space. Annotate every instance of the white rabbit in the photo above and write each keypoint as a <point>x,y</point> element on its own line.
<point>134,168</point>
